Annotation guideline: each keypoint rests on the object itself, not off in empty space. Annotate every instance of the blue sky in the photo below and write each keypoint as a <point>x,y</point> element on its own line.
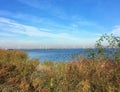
<point>57,23</point>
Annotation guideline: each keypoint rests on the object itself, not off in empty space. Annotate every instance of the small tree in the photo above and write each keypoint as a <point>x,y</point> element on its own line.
<point>109,45</point>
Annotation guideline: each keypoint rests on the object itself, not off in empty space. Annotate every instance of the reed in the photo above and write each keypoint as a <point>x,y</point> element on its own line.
<point>20,74</point>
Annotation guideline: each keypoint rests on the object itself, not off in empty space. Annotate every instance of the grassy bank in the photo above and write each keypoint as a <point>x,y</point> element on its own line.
<point>19,74</point>
<point>97,73</point>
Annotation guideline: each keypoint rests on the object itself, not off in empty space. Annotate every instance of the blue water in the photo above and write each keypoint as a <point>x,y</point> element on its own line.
<point>57,55</point>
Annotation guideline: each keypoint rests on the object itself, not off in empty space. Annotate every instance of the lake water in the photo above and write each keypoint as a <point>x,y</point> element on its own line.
<point>54,54</point>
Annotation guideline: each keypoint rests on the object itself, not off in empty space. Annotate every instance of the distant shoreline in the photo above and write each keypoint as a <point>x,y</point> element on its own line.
<point>49,48</point>
<point>43,48</point>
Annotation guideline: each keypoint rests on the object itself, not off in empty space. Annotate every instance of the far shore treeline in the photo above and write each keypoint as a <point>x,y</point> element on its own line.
<point>100,72</point>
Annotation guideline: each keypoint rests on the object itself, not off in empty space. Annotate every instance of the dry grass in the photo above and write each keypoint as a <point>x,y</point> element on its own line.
<point>19,74</point>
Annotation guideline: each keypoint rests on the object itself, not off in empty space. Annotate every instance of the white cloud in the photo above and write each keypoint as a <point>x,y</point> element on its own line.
<point>48,6</point>
<point>14,27</point>
<point>22,16</point>
<point>75,24</point>
<point>61,36</point>
<point>116,30</point>
<point>6,35</point>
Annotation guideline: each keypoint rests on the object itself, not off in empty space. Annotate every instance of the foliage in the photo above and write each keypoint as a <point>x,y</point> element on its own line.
<point>107,47</point>
<point>93,74</point>
<point>112,48</point>
<point>16,70</point>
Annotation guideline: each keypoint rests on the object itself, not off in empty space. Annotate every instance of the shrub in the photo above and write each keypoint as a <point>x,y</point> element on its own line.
<point>98,73</point>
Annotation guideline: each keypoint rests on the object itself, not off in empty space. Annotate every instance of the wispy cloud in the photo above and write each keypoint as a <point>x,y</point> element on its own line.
<point>48,6</point>
<point>13,29</point>
<point>39,4</point>
<point>83,22</point>
<point>116,30</point>
<point>6,35</point>
<point>22,16</point>
<point>72,24</point>
<point>31,31</point>
<point>65,38</point>
<point>32,19</point>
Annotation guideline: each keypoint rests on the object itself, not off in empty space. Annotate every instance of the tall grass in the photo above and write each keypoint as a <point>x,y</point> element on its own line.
<point>20,74</point>
<point>15,70</point>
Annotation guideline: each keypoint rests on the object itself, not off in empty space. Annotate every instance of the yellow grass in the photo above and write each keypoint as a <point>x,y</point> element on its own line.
<point>19,74</point>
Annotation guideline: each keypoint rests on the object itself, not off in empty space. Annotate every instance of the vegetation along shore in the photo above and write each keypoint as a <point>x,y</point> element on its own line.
<point>97,73</point>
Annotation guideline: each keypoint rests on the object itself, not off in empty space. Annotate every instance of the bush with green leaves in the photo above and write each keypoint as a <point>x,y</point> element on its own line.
<point>106,47</point>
